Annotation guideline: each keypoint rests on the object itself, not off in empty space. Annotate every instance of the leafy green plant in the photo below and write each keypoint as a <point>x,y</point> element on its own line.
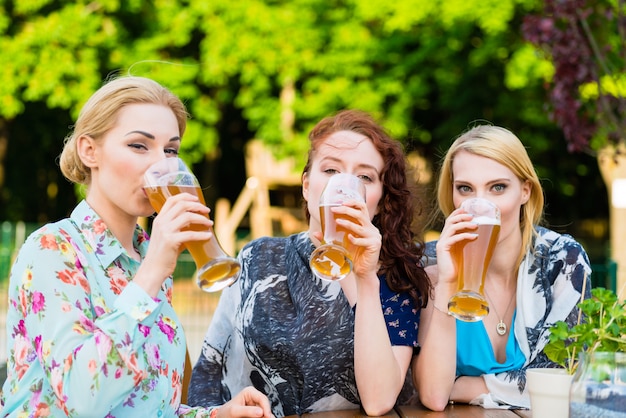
<point>602,329</point>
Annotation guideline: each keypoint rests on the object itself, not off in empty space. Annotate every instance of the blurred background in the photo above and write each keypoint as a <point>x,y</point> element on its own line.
<point>256,75</point>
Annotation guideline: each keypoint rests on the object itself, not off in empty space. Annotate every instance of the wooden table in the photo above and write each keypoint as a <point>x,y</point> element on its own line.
<point>454,411</point>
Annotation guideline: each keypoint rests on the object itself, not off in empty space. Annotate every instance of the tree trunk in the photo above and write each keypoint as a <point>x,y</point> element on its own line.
<point>612,163</point>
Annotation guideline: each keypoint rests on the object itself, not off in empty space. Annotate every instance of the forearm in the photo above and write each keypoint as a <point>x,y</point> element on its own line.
<point>435,366</point>
<point>379,376</point>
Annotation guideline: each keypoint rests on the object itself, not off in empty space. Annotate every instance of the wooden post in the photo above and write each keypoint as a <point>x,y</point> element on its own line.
<point>612,163</point>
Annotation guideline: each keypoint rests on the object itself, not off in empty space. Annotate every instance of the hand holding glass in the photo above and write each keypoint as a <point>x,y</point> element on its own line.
<point>472,259</point>
<point>214,268</point>
<point>333,259</point>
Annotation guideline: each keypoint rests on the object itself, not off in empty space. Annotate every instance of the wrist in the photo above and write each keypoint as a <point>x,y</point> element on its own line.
<point>443,311</point>
<point>444,291</point>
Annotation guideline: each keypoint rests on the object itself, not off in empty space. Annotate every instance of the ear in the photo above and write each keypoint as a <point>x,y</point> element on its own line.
<point>526,189</point>
<point>87,150</point>
<point>305,186</point>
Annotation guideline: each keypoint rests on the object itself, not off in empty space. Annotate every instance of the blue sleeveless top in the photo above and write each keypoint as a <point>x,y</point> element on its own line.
<point>474,354</point>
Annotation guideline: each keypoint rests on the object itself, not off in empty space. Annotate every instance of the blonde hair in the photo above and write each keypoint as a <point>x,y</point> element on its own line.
<point>99,115</point>
<point>502,146</point>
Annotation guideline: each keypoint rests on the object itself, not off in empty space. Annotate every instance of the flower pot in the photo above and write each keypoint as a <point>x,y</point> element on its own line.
<point>599,386</point>
<point>549,390</point>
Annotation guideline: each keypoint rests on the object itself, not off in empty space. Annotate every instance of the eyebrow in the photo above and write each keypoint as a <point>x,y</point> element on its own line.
<point>150,136</point>
<point>502,180</point>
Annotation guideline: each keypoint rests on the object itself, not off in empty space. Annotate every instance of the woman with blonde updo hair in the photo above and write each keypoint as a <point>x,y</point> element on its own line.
<point>98,115</point>
<point>535,278</point>
<point>91,327</point>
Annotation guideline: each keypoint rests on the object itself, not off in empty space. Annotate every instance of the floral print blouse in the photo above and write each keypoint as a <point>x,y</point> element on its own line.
<point>83,339</point>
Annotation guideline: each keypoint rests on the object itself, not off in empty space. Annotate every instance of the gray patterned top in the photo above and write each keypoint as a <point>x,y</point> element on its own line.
<point>288,333</point>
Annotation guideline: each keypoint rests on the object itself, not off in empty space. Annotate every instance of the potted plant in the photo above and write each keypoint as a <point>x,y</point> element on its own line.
<point>594,352</point>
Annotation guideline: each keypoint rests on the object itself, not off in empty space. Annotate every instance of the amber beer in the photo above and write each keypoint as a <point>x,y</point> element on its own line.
<point>212,264</point>
<point>472,259</point>
<point>335,261</point>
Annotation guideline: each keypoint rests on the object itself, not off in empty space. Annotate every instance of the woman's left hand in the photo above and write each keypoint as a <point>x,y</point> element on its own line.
<point>364,236</point>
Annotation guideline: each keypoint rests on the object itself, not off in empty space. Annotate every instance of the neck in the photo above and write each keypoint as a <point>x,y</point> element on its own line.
<point>503,264</point>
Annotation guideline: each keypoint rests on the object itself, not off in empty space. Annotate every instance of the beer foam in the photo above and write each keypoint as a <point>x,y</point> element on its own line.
<point>485,220</point>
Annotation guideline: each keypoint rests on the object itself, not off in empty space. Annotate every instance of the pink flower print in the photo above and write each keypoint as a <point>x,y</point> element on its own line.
<point>20,329</point>
<point>405,302</point>
<point>23,297</point>
<point>118,279</point>
<point>43,410</point>
<point>67,276</point>
<point>177,386</point>
<point>84,325</point>
<point>99,227</point>
<point>56,381</point>
<point>103,345</point>
<point>92,366</point>
<point>131,363</point>
<point>394,324</point>
<point>48,242</point>
<point>84,283</point>
<point>167,329</point>
<point>154,356</point>
<point>38,346</point>
<point>66,307</point>
<point>39,302</point>
<point>144,329</point>
<point>168,294</point>
<point>21,352</point>
<point>141,238</point>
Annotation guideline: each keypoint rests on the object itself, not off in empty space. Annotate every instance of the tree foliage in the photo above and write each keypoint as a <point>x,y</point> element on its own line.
<point>271,69</point>
<point>586,41</point>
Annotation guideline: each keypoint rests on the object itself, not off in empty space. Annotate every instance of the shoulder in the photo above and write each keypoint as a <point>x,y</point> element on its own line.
<point>557,256</point>
<point>549,242</point>
<point>266,244</point>
<point>429,256</point>
<point>47,234</point>
<point>271,249</point>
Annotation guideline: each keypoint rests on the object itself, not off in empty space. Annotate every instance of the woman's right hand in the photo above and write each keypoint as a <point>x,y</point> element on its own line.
<point>249,403</point>
<point>169,233</point>
<point>457,228</point>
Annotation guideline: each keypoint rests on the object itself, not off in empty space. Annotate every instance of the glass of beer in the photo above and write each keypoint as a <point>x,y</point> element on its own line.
<point>333,259</point>
<point>472,259</point>
<point>214,268</point>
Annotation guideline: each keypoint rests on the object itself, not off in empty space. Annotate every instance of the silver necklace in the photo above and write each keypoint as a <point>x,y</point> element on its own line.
<point>501,327</point>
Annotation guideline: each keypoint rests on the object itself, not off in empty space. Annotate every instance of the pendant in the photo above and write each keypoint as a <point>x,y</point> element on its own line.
<point>501,328</point>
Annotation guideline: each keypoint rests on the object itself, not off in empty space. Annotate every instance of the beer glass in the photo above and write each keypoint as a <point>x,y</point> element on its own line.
<point>214,268</point>
<point>333,259</point>
<point>472,259</point>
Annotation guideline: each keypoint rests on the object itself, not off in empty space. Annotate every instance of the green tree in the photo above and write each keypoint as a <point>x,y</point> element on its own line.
<point>271,69</point>
<point>585,41</point>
